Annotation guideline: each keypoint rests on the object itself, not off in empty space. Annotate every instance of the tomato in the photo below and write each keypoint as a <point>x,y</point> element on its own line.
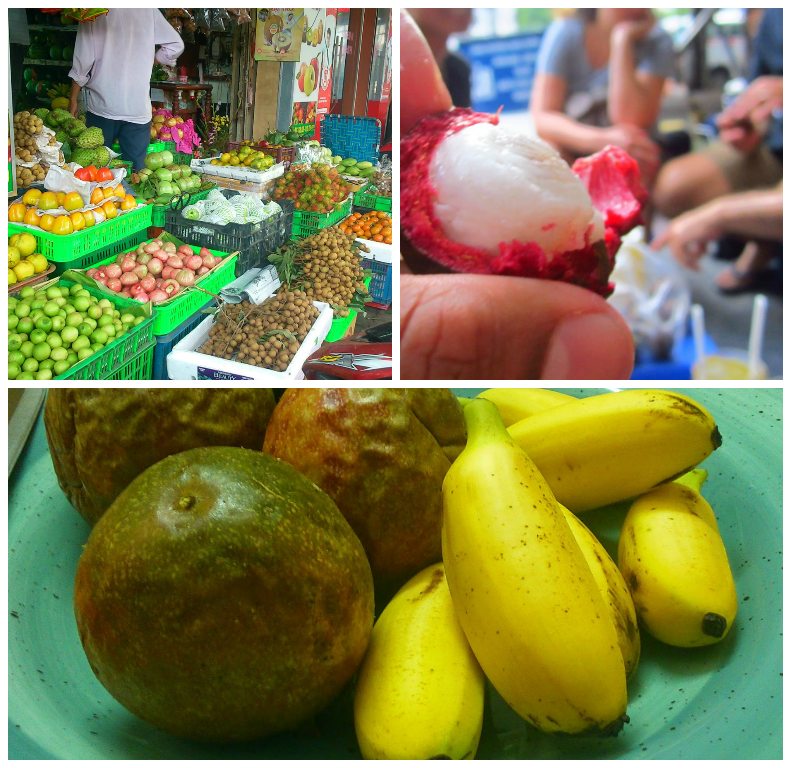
<point>72,202</point>
<point>83,174</point>
<point>47,201</point>
<point>46,222</point>
<point>104,174</point>
<point>92,171</point>
<point>77,221</point>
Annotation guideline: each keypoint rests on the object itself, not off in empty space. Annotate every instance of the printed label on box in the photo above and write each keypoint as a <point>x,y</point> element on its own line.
<point>212,375</point>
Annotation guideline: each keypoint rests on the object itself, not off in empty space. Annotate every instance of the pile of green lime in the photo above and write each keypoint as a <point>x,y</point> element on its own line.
<point>52,329</point>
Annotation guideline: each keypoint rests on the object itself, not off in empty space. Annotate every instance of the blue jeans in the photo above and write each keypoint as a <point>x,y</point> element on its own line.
<point>133,138</point>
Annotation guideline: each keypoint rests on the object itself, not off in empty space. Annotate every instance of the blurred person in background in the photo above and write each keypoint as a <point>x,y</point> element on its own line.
<point>437,25</point>
<point>748,156</point>
<point>599,80</point>
<point>19,40</point>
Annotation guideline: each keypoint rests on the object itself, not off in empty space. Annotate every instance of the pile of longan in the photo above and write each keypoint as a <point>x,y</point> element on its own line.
<point>332,271</point>
<point>254,333</point>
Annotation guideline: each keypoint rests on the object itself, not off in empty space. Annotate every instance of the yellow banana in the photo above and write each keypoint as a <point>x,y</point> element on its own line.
<point>524,594</point>
<point>616,446</point>
<point>674,562</point>
<point>419,691</point>
<point>517,404</point>
<point>613,588</point>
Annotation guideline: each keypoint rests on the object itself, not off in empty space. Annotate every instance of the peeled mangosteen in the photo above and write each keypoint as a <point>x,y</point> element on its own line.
<point>481,199</point>
<point>101,439</point>
<point>223,597</point>
<point>381,455</point>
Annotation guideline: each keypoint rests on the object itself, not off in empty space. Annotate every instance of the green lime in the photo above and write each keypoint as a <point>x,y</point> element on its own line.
<point>27,349</point>
<point>13,371</point>
<point>14,342</point>
<point>22,309</point>
<point>26,325</point>
<point>81,342</point>
<point>71,358</point>
<point>75,289</point>
<point>38,336</point>
<point>61,302</point>
<point>96,346</point>
<point>83,353</point>
<point>85,329</point>
<point>58,323</point>
<point>35,315</point>
<point>44,324</point>
<point>110,331</point>
<point>68,334</point>
<point>40,296</point>
<point>105,320</point>
<point>26,376</point>
<point>27,292</point>
<point>30,365</point>
<point>47,364</point>
<point>95,311</point>
<point>99,336</point>
<point>61,367</point>
<point>83,292</point>
<point>44,375</point>
<point>73,320</point>
<point>16,357</point>
<point>90,321</point>
<point>59,353</point>
<point>41,351</point>
<point>81,303</point>
<point>138,320</point>
<point>13,322</point>
<point>127,318</point>
<point>51,308</point>
<point>37,304</point>
<point>53,292</point>
<point>105,304</point>
<point>54,340</point>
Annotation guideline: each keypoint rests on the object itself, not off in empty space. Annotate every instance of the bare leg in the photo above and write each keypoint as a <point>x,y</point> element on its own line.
<point>755,259</point>
<point>688,182</point>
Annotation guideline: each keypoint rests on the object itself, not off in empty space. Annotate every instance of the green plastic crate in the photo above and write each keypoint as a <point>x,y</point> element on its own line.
<point>139,368</point>
<point>340,325</point>
<point>171,314</point>
<point>158,217</point>
<point>109,251</point>
<point>307,223</point>
<point>158,146</point>
<point>67,248</point>
<point>117,354</point>
<point>375,202</point>
<point>182,158</point>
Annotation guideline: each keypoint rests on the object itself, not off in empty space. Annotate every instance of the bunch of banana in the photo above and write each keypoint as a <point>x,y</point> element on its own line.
<point>528,603</point>
<point>419,691</point>
<point>674,562</point>
<point>613,589</point>
<point>612,447</point>
<point>517,404</point>
<point>59,89</point>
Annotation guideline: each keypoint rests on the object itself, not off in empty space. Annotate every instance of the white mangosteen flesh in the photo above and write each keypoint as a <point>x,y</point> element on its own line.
<point>495,186</point>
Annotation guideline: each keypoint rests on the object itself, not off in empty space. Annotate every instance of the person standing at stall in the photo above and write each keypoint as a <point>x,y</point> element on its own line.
<point>113,58</point>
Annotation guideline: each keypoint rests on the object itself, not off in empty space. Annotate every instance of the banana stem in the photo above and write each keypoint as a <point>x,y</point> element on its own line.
<point>693,479</point>
<point>484,424</point>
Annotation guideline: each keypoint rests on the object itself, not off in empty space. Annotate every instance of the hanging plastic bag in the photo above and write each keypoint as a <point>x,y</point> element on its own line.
<point>202,20</point>
<point>216,24</point>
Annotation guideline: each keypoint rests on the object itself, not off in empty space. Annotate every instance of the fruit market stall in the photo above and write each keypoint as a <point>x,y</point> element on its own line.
<point>285,239</point>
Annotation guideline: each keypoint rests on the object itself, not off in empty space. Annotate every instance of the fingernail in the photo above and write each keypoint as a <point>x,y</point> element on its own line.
<point>588,347</point>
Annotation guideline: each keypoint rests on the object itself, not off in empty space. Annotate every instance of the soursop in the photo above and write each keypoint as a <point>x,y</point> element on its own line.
<point>82,157</point>
<point>61,116</point>
<point>61,136</point>
<point>101,157</point>
<point>90,138</point>
<point>41,113</point>
<point>74,128</point>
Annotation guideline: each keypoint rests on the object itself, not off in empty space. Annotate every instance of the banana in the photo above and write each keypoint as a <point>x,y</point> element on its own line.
<point>420,690</point>
<point>524,594</point>
<point>613,588</point>
<point>616,446</point>
<point>674,562</point>
<point>517,404</point>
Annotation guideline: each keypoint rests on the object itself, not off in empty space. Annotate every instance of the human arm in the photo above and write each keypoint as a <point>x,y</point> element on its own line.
<point>742,123</point>
<point>171,44</point>
<point>75,92</point>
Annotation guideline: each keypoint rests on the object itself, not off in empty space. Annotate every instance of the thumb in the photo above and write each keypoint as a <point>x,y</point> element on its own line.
<point>661,240</point>
<point>490,327</point>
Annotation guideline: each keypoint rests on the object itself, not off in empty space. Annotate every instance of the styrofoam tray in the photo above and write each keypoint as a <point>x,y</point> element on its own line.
<point>240,172</point>
<point>378,251</point>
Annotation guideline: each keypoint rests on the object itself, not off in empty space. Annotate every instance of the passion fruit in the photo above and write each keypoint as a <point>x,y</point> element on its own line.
<point>223,597</point>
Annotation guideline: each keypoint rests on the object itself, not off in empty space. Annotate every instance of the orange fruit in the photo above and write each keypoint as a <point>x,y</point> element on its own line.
<point>47,201</point>
<point>110,211</point>
<point>388,240</point>
<point>62,226</point>
<point>97,196</point>
<point>16,213</point>
<point>119,191</point>
<point>46,222</point>
<point>72,201</point>
<point>387,231</point>
<point>129,203</point>
<point>31,196</point>
<point>98,215</point>
<point>31,217</point>
<point>61,197</point>
<point>88,218</point>
<point>108,192</point>
<point>77,221</point>
<point>378,238</point>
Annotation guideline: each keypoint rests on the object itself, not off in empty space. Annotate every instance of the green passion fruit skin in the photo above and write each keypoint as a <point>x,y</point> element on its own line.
<point>223,597</point>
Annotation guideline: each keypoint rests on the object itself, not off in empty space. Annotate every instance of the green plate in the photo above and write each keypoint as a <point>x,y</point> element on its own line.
<point>720,702</point>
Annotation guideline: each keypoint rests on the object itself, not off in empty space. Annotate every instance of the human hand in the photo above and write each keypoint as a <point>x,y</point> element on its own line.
<point>456,326</point>
<point>688,235</point>
<point>638,144</point>
<point>632,31</point>
<point>73,109</point>
<point>743,123</point>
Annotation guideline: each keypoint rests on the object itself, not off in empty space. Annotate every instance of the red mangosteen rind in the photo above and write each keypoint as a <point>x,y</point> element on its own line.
<point>611,176</point>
